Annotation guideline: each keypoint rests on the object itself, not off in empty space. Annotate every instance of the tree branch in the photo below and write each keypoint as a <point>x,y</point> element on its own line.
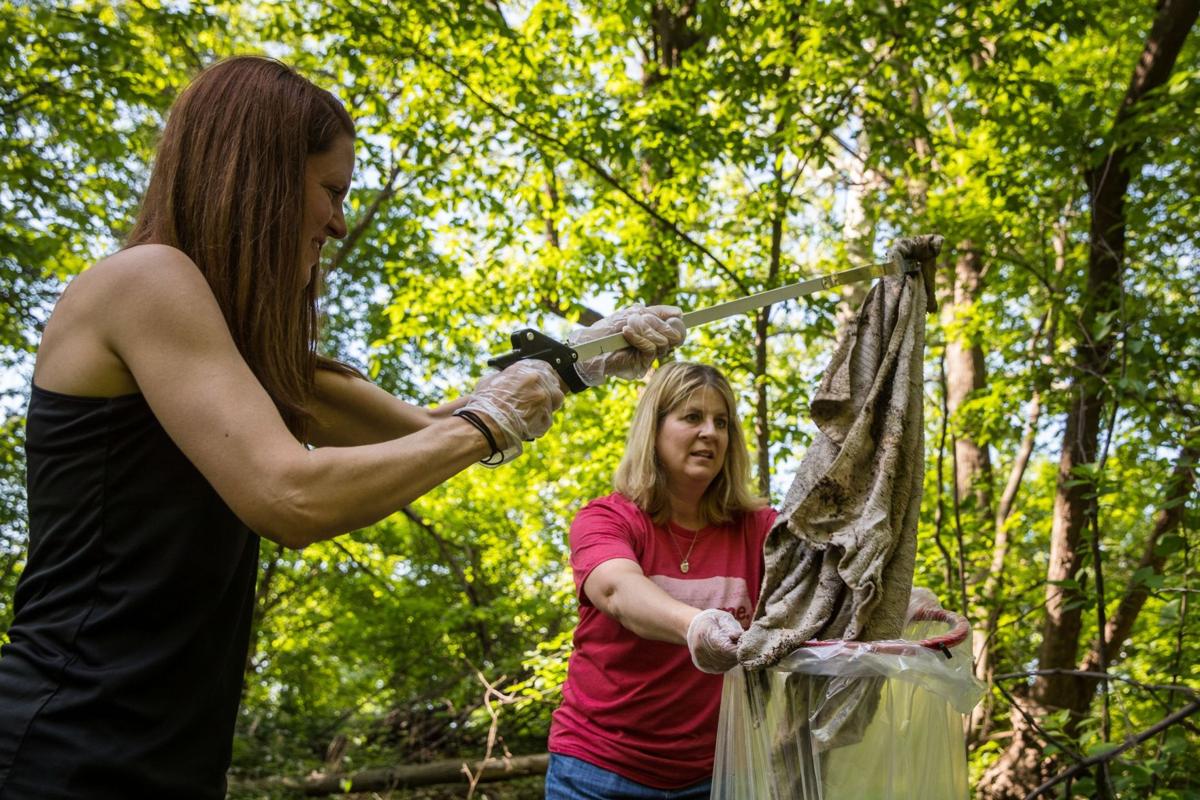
<point>468,588</point>
<point>939,514</point>
<point>587,161</point>
<point>1130,742</point>
<point>1149,688</point>
<point>1179,489</point>
<point>386,192</point>
<point>386,779</point>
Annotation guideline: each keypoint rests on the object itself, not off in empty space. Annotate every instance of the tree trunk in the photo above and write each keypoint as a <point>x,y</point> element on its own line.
<point>966,373</point>
<point>762,324</point>
<point>1108,184</point>
<point>990,596</point>
<point>1011,775</point>
<point>990,600</point>
<point>1022,767</point>
<point>262,598</point>
<point>671,36</point>
<point>762,410</point>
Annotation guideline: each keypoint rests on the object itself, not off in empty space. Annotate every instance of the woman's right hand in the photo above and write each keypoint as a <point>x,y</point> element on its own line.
<point>712,639</point>
<point>519,401</point>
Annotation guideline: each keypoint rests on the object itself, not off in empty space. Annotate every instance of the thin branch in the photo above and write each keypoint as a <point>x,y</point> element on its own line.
<point>825,128</point>
<point>1177,666</point>
<point>587,161</point>
<point>1033,723</point>
<point>1093,511</point>
<point>385,193</point>
<point>1130,743</point>
<point>481,632</point>
<point>490,692</point>
<point>447,558</point>
<point>1178,489</point>
<point>363,568</point>
<point>1150,688</point>
<point>940,512</point>
<point>1016,260</point>
<point>184,42</point>
<point>958,531</point>
<point>587,316</point>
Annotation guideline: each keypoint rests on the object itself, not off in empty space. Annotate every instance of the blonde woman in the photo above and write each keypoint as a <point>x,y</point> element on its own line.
<point>668,569</point>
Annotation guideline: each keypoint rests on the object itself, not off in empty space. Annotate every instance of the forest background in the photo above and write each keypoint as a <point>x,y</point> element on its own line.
<point>542,162</point>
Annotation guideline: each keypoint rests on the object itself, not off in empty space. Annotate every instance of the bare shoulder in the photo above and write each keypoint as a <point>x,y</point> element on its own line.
<point>118,295</point>
<point>144,270</point>
<point>145,289</point>
<point>128,279</point>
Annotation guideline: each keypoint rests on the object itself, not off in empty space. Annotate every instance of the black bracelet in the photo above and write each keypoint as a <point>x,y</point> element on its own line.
<point>481,426</point>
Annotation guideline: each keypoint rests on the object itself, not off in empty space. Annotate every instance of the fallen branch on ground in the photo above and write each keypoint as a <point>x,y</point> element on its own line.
<point>410,776</point>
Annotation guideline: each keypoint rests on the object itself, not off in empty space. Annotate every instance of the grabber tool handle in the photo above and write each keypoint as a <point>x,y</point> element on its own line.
<point>528,343</point>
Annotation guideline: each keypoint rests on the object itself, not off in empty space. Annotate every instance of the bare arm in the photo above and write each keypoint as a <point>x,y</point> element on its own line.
<point>163,323</point>
<point>622,591</point>
<point>348,411</point>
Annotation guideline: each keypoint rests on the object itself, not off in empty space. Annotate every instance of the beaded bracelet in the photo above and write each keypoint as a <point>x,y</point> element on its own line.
<point>481,426</point>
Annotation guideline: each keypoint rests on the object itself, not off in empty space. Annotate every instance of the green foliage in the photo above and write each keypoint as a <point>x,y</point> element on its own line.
<point>526,164</point>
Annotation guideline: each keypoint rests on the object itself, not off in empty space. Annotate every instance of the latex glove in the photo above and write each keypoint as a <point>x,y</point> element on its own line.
<point>920,601</point>
<point>712,639</point>
<point>519,402</point>
<point>651,332</point>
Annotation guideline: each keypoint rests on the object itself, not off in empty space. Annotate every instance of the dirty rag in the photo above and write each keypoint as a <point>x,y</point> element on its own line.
<point>839,562</point>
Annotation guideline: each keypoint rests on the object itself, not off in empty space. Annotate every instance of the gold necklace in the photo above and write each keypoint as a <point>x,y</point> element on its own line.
<point>684,566</point>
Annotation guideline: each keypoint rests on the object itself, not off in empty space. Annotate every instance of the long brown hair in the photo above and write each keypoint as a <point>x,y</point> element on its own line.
<point>227,189</point>
<point>640,475</point>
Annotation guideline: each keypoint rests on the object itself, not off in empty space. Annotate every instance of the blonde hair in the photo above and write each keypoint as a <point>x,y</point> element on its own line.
<point>640,475</point>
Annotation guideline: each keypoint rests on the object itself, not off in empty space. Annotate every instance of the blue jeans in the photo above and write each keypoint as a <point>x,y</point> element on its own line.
<point>569,778</point>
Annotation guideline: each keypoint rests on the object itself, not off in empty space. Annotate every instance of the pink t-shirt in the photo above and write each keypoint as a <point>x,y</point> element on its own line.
<point>639,707</point>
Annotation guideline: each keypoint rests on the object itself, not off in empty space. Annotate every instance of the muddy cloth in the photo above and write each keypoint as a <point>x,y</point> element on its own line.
<point>839,562</point>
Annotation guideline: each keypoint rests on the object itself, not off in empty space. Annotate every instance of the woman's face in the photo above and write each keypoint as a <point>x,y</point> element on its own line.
<point>692,439</point>
<point>326,180</point>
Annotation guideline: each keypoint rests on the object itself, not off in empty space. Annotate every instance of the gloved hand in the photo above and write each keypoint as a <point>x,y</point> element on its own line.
<point>518,402</point>
<point>652,333</point>
<point>921,601</point>
<point>712,639</point>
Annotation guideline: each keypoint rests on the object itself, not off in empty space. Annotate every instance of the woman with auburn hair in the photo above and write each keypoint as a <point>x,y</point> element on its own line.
<point>667,569</point>
<point>180,411</point>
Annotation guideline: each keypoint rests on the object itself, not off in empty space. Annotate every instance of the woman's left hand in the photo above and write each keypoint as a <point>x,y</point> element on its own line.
<point>651,332</point>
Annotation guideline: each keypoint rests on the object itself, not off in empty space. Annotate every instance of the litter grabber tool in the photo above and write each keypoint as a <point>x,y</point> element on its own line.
<point>528,343</point>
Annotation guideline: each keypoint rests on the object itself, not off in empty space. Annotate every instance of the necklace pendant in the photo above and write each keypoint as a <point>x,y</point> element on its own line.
<point>683,566</point>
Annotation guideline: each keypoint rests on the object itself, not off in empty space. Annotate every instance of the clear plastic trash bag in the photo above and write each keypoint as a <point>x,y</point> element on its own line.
<point>853,720</point>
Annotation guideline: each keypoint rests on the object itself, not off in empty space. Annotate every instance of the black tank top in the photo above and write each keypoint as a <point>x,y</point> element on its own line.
<point>132,617</point>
